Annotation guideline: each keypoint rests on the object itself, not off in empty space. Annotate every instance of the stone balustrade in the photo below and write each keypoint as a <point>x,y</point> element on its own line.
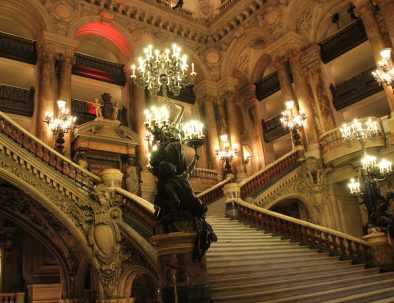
<point>216,192</point>
<point>334,150</point>
<point>307,233</point>
<point>265,177</point>
<point>16,297</point>
<point>204,174</point>
<point>39,149</point>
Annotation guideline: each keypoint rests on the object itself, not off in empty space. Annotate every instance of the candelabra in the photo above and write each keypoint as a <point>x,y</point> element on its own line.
<point>61,125</point>
<point>163,71</point>
<point>359,131</point>
<point>292,121</point>
<point>384,74</point>
<point>371,172</point>
<point>226,154</point>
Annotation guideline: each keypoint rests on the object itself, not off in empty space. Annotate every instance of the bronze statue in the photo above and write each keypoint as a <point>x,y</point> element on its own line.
<point>177,208</point>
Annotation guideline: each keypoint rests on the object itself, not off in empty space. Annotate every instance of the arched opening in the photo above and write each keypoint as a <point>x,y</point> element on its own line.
<point>144,289</point>
<point>294,208</point>
<point>41,256</point>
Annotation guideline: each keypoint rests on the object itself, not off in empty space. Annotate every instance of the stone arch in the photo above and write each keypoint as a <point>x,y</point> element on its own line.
<point>129,276</point>
<point>260,67</point>
<point>14,178</point>
<point>247,40</point>
<point>31,216</point>
<point>304,200</point>
<point>109,34</point>
<point>325,28</point>
<point>31,14</point>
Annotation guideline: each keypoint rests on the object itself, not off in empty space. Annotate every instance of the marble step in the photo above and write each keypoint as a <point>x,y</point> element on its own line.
<point>234,270</point>
<point>262,255</point>
<point>276,290</point>
<point>334,295</point>
<point>312,293</point>
<point>279,278</point>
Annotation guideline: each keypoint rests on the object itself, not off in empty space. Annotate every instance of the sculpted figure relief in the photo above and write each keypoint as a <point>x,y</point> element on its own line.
<point>104,237</point>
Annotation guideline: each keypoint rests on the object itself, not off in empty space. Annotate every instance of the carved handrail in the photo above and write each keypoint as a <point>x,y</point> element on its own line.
<point>141,209</point>
<point>264,177</point>
<point>215,192</point>
<point>204,173</point>
<point>57,161</point>
<point>18,48</point>
<point>305,232</point>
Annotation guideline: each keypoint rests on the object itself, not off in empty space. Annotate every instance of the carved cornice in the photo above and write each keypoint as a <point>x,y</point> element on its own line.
<point>227,85</point>
<point>206,89</point>
<point>55,44</point>
<point>288,44</point>
<point>311,57</point>
<point>152,13</point>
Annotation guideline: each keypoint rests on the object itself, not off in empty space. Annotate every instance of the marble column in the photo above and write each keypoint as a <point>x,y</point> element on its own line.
<point>262,153</point>
<point>64,92</point>
<point>387,8</point>
<point>211,132</point>
<point>235,128</point>
<point>46,94</point>
<point>284,79</point>
<point>325,120</point>
<point>221,117</point>
<point>305,100</point>
<point>365,11</point>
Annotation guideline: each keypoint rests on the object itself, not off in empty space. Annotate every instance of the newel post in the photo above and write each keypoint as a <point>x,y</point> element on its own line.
<point>381,252</point>
<point>231,191</point>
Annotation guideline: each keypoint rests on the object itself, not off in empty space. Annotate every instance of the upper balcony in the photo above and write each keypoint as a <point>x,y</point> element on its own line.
<point>17,48</point>
<point>273,129</point>
<point>354,89</point>
<point>343,41</point>
<point>16,100</point>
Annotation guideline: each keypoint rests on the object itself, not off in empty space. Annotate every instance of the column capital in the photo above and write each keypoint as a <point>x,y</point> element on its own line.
<point>206,88</point>
<point>57,44</point>
<point>227,85</point>
<point>311,58</point>
<point>248,92</point>
<point>286,44</point>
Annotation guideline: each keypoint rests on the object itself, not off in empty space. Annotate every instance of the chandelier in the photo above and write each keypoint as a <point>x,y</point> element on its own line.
<point>166,71</point>
<point>371,172</point>
<point>226,154</point>
<point>292,121</point>
<point>359,131</point>
<point>384,74</point>
<point>61,125</point>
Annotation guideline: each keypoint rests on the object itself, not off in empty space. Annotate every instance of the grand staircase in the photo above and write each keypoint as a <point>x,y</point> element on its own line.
<point>247,265</point>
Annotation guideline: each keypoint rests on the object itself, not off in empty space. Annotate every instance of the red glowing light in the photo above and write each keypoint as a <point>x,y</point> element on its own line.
<point>106,30</point>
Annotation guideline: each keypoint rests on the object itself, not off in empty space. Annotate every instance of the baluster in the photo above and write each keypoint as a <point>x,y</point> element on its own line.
<point>52,160</point>
<point>46,156</point>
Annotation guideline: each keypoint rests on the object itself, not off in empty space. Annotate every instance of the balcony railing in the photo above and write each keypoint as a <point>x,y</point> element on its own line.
<point>343,41</point>
<point>98,69</point>
<point>267,86</point>
<point>254,184</point>
<point>16,100</point>
<point>273,129</point>
<point>17,48</point>
<point>334,152</point>
<point>215,192</point>
<point>83,111</point>
<point>355,89</point>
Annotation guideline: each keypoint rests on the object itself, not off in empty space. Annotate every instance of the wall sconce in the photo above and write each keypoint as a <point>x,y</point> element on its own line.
<point>247,157</point>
